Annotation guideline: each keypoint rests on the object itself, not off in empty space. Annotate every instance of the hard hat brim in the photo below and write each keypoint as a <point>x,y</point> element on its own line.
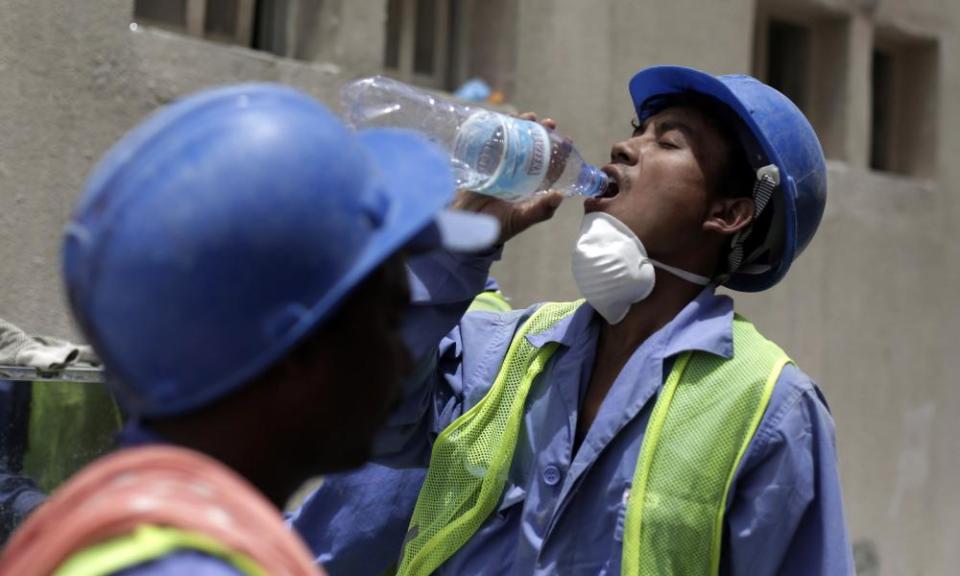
<point>418,181</point>
<point>414,178</point>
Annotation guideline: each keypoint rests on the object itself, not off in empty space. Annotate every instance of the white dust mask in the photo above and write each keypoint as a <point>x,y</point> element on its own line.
<point>611,267</point>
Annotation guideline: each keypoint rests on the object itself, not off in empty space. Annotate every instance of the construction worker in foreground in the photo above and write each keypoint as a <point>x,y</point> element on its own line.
<point>236,263</point>
<point>647,429</point>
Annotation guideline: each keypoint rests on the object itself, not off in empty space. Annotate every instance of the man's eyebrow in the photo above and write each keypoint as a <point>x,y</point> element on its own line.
<point>668,125</point>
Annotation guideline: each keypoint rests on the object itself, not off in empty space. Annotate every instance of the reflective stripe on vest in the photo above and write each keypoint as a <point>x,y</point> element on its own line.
<point>472,456</point>
<point>702,422</point>
<point>490,301</point>
<point>148,543</point>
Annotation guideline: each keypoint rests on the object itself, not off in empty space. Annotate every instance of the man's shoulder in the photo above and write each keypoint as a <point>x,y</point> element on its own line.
<point>795,405</point>
<point>792,381</point>
<point>481,341</point>
<point>496,325</point>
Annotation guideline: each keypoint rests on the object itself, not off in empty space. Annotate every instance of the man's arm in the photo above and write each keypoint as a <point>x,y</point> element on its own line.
<point>442,285</point>
<point>786,515</point>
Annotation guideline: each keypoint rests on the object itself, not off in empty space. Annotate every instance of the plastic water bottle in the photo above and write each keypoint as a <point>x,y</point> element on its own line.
<point>491,153</point>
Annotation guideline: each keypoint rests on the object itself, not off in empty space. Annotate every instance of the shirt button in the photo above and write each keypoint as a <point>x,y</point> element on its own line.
<point>551,475</point>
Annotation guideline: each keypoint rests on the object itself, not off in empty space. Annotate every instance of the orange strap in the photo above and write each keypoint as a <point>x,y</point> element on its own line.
<point>158,485</point>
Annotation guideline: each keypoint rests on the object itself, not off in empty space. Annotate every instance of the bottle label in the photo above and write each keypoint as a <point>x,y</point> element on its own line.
<point>511,156</point>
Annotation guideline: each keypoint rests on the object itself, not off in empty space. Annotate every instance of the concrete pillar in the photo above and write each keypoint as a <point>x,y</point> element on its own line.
<point>856,143</point>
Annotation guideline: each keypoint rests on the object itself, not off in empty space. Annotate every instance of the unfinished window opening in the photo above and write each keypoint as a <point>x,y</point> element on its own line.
<point>802,51</point>
<point>290,28</point>
<point>903,113</point>
<point>881,84</point>
<point>171,14</point>
<point>420,38</point>
<point>221,19</point>
<point>283,27</point>
<point>788,60</point>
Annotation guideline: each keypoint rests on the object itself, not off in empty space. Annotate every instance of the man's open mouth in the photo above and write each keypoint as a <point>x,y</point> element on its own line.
<point>613,187</point>
<point>598,203</point>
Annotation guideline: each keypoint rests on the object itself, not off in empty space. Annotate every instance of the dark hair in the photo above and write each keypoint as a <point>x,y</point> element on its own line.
<point>737,177</point>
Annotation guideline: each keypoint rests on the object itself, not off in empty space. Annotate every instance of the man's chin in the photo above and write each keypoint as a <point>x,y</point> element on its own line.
<point>594,204</point>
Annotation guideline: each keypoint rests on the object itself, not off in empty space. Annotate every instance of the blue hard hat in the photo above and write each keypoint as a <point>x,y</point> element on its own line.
<point>777,133</point>
<point>226,227</point>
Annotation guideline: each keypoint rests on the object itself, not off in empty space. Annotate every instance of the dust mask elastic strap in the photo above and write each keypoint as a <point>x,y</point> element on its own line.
<point>682,274</point>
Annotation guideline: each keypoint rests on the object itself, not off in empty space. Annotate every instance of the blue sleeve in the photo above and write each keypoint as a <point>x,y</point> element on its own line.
<point>355,522</point>
<point>442,285</point>
<point>786,516</point>
<point>19,496</point>
<point>183,562</point>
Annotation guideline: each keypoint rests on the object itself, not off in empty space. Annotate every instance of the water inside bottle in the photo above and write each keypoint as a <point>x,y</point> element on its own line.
<point>509,158</point>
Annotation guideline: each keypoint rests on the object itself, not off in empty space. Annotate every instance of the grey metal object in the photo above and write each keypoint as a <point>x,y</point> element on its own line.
<point>30,374</point>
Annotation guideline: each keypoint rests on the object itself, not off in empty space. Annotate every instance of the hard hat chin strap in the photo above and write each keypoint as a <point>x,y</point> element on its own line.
<point>768,179</point>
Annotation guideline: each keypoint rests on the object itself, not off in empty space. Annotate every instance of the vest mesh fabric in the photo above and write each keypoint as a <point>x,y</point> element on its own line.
<point>472,456</point>
<point>704,418</point>
<point>700,428</point>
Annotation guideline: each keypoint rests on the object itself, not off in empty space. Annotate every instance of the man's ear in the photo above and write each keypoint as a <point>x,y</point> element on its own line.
<point>728,216</point>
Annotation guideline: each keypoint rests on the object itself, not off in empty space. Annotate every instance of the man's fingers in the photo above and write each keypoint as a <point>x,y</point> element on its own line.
<point>547,123</point>
<point>514,217</point>
<point>535,210</point>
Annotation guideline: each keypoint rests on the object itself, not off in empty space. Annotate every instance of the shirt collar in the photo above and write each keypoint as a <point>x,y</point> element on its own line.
<point>705,324</point>
<point>567,330</point>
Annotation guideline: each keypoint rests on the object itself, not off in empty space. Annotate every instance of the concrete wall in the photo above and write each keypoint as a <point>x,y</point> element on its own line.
<point>75,77</point>
<point>868,310</point>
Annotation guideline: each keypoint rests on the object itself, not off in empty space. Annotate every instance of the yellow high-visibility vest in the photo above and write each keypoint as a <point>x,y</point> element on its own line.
<point>704,418</point>
<point>490,301</point>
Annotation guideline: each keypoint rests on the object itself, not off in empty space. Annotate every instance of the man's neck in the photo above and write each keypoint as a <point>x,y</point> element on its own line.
<point>617,343</point>
<point>247,456</point>
<point>669,297</point>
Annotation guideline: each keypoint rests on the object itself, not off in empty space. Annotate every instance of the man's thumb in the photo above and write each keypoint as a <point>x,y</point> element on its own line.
<point>544,207</point>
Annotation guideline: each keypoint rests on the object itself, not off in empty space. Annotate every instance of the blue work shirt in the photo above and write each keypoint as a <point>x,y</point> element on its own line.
<point>359,518</point>
<point>563,512</point>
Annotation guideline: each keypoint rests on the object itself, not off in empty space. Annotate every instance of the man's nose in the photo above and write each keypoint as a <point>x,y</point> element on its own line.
<point>623,153</point>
